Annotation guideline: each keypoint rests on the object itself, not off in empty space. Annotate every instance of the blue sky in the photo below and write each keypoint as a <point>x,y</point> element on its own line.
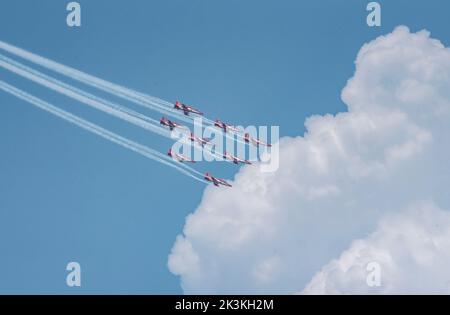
<point>67,195</point>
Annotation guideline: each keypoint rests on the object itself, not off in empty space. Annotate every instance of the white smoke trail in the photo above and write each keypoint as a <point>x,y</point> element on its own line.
<point>124,142</point>
<point>128,94</point>
<point>79,91</point>
<point>84,97</point>
<point>146,122</point>
<point>139,98</point>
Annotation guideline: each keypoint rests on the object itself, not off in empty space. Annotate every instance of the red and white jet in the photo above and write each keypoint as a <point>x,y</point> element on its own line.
<point>201,141</point>
<point>256,142</point>
<point>186,108</point>
<point>216,181</point>
<point>166,122</point>
<point>225,126</point>
<point>179,157</point>
<point>235,159</point>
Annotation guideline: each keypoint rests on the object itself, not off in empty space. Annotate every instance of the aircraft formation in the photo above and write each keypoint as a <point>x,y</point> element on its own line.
<point>181,111</point>
<point>187,110</point>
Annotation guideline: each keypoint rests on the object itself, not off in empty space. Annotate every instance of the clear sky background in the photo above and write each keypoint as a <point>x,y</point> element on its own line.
<point>67,195</point>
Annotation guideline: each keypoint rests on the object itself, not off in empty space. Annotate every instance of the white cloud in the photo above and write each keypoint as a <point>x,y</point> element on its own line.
<point>272,232</point>
<point>411,250</point>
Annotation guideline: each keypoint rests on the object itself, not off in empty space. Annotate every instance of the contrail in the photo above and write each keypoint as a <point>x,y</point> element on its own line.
<point>139,98</point>
<point>124,142</point>
<point>84,97</point>
<point>147,101</point>
<point>111,108</point>
<point>79,91</point>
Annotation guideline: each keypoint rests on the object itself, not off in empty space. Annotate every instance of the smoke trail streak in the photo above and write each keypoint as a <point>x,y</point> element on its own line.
<point>139,98</point>
<point>115,111</point>
<point>124,142</point>
<point>98,103</point>
<point>142,99</point>
<point>79,91</point>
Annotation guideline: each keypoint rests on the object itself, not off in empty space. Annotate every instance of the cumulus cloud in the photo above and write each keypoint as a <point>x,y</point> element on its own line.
<point>411,253</point>
<point>273,232</point>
